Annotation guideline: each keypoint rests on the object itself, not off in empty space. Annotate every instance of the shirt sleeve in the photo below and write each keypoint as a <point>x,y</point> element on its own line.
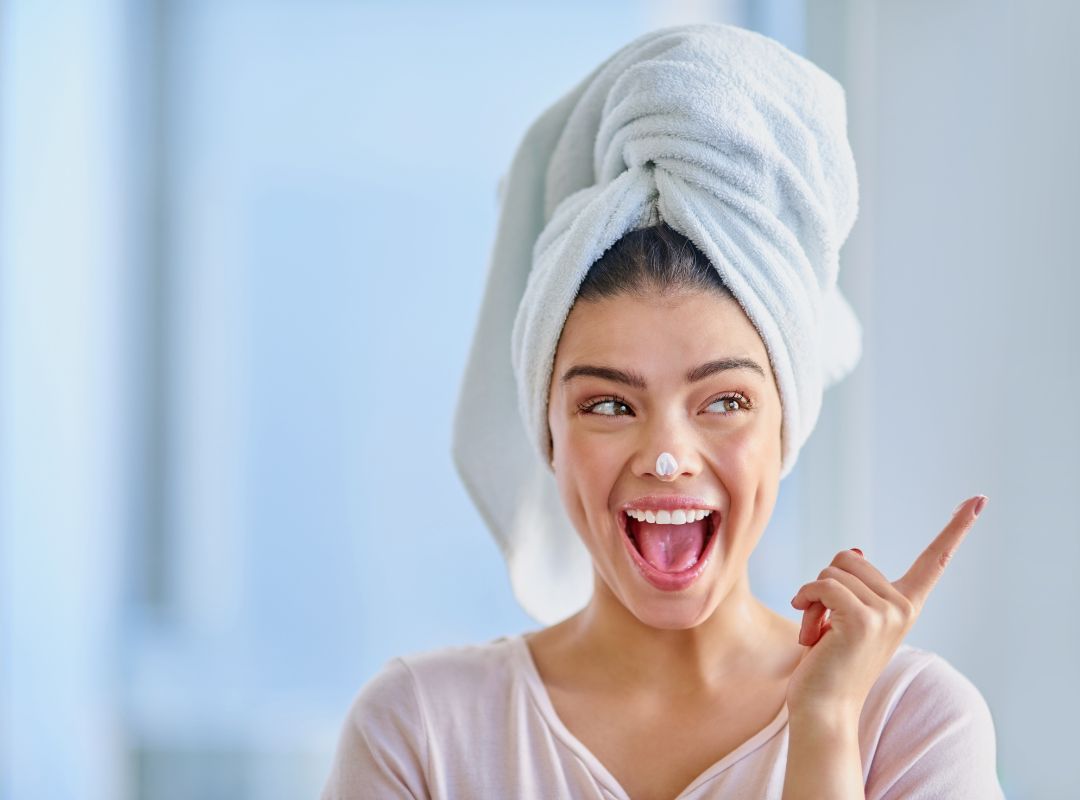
<point>938,742</point>
<point>382,748</point>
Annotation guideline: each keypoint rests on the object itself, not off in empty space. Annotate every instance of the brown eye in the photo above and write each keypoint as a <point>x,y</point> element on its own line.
<point>732,404</point>
<point>607,407</point>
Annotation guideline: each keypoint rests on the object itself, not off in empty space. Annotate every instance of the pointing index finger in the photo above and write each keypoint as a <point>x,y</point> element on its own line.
<point>928,568</point>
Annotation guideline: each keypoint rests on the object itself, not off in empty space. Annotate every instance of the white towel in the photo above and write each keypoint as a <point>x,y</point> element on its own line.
<point>742,145</point>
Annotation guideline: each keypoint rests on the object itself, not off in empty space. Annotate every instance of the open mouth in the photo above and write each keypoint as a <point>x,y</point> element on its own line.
<point>671,548</point>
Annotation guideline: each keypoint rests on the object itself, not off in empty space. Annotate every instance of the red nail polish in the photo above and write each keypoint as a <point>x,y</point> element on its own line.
<point>979,505</point>
<point>857,550</point>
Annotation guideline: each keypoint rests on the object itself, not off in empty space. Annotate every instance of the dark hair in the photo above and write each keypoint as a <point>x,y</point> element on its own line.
<point>648,261</point>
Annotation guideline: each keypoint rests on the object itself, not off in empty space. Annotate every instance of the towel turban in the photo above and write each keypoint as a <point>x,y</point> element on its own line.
<point>737,143</point>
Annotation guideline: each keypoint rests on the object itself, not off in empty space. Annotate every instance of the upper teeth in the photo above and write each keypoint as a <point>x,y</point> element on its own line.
<point>678,517</point>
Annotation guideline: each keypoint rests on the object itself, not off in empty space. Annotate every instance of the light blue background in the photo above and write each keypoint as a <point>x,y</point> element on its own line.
<point>242,247</point>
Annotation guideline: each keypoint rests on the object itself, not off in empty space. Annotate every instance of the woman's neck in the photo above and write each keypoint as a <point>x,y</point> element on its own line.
<point>741,637</point>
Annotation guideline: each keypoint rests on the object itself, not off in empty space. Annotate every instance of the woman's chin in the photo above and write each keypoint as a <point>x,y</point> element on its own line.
<point>673,611</point>
<point>669,614</point>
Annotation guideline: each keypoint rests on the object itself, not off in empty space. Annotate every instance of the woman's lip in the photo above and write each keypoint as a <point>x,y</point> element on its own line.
<point>671,581</point>
<point>668,502</point>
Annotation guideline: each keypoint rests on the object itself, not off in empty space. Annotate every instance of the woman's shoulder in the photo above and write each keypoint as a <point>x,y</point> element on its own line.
<point>451,675</point>
<point>463,663</point>
<point>926,724</point>
<point>921,679</point>
<point>420,707</point>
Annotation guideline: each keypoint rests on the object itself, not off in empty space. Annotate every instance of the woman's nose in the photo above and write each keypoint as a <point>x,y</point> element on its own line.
<point>667,451</point>
<point>670,462</point>
<point>670,469</point>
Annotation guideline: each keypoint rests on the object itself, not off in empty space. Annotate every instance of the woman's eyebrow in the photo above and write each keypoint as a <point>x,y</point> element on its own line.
<point>635,380</point>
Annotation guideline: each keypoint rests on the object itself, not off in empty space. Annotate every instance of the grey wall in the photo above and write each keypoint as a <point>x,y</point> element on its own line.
<point>962,265</point>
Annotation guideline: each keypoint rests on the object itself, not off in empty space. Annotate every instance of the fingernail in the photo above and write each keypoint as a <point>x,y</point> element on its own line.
<point>979,505</point>
<point>857,550</point>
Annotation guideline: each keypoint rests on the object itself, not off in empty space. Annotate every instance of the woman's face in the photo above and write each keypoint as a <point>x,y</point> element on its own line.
<point>721,425</point>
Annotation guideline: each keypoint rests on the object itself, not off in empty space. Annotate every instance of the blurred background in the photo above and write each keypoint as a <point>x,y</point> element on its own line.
<point>242,247</point>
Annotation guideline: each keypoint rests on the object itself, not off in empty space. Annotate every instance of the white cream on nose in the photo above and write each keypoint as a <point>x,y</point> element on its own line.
<point>666,465</point>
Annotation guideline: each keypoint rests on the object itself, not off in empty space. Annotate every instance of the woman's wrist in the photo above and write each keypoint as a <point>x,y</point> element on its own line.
<point>826,717</point>
<point>823,755</point>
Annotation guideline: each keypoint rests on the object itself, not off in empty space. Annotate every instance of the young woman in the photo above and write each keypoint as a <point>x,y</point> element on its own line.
<point>666,389</point>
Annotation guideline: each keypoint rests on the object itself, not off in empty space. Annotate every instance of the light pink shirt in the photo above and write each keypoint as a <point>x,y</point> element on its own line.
<point>476,721</point>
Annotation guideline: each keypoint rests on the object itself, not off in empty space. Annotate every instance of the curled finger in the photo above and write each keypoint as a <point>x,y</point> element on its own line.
<point>812,622</point>
<point>830,592</point>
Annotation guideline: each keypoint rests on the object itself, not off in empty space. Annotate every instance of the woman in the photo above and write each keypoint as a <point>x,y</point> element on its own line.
<point>669,238</point>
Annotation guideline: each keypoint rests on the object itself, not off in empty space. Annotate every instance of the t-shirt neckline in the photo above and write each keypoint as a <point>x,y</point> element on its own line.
<point>531,674</point>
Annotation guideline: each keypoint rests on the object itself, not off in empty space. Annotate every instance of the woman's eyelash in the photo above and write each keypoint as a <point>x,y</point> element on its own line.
<point>746,404</point>
<point>589,405</point>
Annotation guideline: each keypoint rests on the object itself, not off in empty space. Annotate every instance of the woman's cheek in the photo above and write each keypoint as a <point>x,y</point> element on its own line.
<point>740,451</point>
<point>590,458</point>
<point>752,459</point>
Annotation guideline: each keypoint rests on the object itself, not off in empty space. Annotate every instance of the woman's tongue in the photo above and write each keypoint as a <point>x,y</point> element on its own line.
<point>670,548</point>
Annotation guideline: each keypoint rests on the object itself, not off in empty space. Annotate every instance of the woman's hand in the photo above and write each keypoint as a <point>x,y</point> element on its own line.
<point>867,619</point>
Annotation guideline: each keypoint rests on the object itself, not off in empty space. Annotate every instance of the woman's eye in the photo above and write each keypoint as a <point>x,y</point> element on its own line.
<point>607,407</point>
<point>731,404</point>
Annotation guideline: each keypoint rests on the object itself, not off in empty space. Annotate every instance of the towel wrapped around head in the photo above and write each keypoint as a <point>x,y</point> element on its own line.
<point>735,142</point>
